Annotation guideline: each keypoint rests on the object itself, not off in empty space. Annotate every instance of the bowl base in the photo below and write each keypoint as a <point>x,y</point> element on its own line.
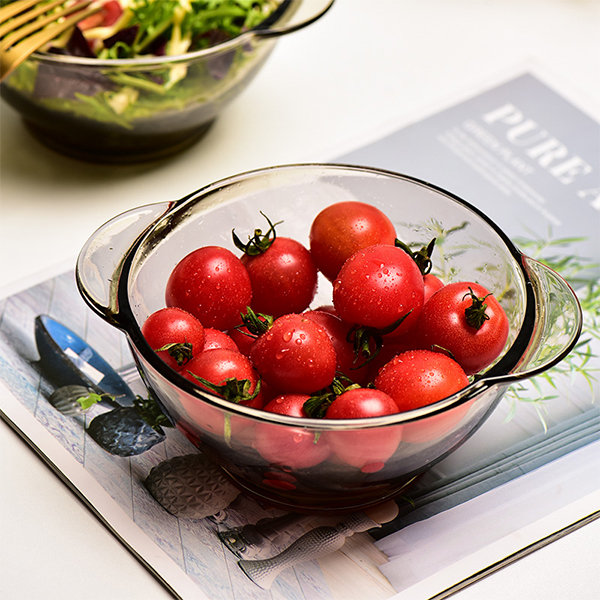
<point>302,503</point>
<point>139,148</point>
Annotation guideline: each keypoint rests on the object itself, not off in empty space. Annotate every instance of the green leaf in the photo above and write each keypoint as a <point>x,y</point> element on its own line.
<point>88,401</point>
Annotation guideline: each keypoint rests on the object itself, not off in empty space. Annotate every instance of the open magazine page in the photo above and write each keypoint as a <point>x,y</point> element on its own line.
<point>522,154</point>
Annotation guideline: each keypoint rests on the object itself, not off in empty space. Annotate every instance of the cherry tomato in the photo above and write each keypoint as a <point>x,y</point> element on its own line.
<point>292,447</point>
<point>341,229</point>
<point>243,338</point>
<point>284,278</point>
<point>377,286</point>
<point>328,308</point>
<point>176,330</point>
<point>295,355</point>
<point>108,15</point>
<point>230,370</point>
<point>420,377</point>
<point>464,319</point>
<point>247,331</point>
<point>431,284</point>
<point>367,449</point>
<point>389,349</point>
<point>219,365</point>
<point>348,363</point>
<point>215,338</point>
<point>435,427</point>
<point>212,284</point>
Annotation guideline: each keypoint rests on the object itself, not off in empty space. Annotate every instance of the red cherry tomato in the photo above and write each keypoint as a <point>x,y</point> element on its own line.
<point>215,338</point>
<point>377,286</point>
<point>286,446</point>
<point>243,338</point>
<point>390,349</point>
<point>328,308</point>
<point>217,366</point>
<point>295,355</point>
<point>341,229</point>
<point>431,284</point>
<point>420,377</point>
<point>347,362</point>
<point>435,427</point>
<point>367,449</point>
<point>446,323</point>
<point>284,278</point>
<point>179,330</point>
<point>108,15</point>
<point>212,284</point>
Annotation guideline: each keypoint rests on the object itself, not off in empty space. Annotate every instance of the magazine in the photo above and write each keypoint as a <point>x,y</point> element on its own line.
<point>528,158</point>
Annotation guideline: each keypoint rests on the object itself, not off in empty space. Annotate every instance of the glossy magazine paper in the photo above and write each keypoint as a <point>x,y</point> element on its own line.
<point>528,158</point>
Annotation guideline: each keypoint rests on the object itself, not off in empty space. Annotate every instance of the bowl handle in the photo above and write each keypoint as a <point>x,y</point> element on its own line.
<point>558,322</point>
<point>100,261</point>
<point>307,12</point>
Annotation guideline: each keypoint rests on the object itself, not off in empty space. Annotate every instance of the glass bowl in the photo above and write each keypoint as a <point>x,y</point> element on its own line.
<point>122,271</point>
<point>122,111</point>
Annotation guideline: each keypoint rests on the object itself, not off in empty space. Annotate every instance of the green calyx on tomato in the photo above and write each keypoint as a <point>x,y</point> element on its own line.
<point>258,243</point>
<point>475,314</point>
<point>232,389</point>
<point>422,256</point>
<point>316,406</point>
<point>181,352</point>
<point>367,341</point>
<point>255,323</point>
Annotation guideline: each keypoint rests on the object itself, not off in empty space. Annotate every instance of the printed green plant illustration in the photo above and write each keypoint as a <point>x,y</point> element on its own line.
<point>579,365</point>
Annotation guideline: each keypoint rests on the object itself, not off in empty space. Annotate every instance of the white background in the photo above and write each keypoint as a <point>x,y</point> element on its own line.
<point>365,68</point>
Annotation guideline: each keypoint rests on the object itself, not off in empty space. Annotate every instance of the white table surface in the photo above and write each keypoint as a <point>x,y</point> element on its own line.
<point>366,67</point>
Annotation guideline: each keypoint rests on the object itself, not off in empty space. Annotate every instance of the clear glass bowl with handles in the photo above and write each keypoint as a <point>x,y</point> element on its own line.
<point>123,268</point>
<point>123,110</point>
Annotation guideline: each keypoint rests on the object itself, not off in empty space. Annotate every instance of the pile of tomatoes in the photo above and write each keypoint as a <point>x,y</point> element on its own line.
<point>395,337</point>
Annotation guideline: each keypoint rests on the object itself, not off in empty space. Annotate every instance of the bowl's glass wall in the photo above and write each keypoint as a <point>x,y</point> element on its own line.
<point>254,451</point>
<point>127,112</point>
<point>317,468</point>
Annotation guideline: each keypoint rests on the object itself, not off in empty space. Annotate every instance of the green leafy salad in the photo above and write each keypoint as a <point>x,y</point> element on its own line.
<point>125,29</point>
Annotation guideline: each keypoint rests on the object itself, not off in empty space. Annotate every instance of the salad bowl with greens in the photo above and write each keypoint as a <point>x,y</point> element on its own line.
<point>143,79</point>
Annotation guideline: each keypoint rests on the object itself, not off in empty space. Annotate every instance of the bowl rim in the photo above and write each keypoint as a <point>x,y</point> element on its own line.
<point>498,375</point>
<point>265,30</point>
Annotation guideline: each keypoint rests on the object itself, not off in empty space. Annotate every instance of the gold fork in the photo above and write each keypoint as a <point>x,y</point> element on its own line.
<point>26,25</point>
